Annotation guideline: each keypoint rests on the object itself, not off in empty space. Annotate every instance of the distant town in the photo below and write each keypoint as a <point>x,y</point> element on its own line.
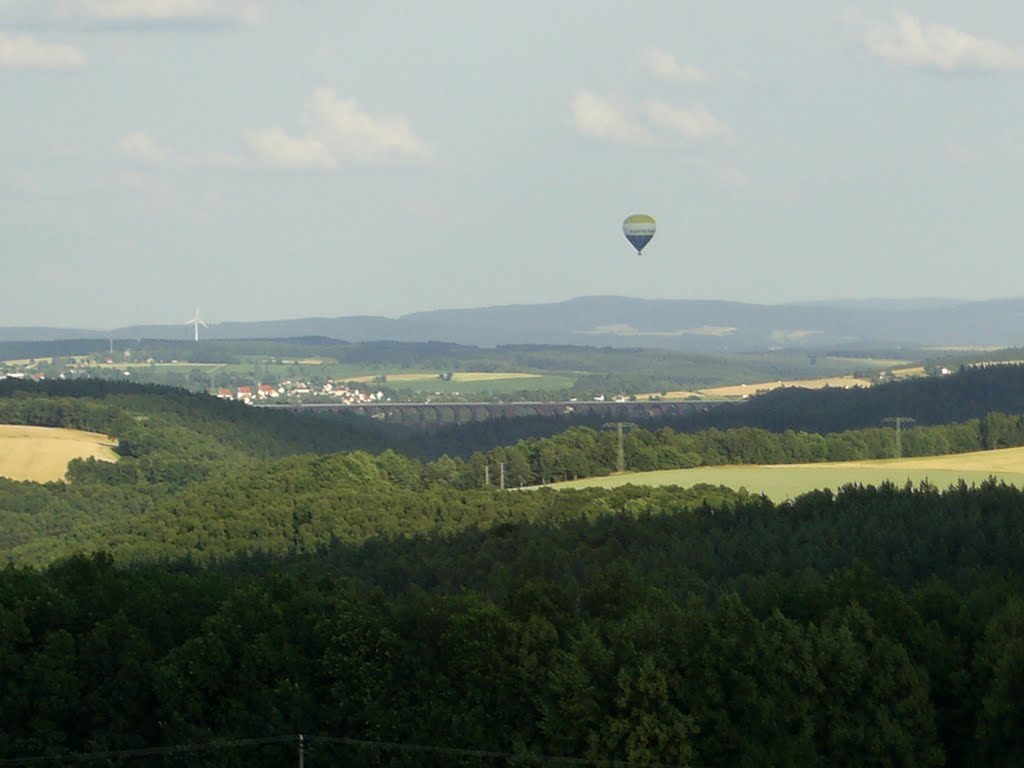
<point>292,390</point>
<point>299,391</point>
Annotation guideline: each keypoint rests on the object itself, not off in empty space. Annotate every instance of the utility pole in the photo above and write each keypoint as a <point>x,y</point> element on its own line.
<point>502,485</point>
<point>898,420</point>
<point>487,474</point>
<point>302,751</point>
<point>620,459</point>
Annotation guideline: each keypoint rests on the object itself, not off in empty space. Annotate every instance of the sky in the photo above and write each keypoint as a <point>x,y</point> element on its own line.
<point>271,159</point>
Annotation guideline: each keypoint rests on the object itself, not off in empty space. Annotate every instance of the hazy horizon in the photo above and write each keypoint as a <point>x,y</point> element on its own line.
<point>875,303</point>
<point>267,160</point>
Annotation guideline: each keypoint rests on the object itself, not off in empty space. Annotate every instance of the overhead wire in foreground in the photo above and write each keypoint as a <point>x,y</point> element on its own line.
<point>303,741</point>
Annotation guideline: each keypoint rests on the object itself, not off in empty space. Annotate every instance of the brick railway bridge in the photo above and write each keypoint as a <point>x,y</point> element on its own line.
<point>438,414</point>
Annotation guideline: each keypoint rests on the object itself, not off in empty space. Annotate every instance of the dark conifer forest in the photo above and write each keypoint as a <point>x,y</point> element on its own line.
<point>240,577</point>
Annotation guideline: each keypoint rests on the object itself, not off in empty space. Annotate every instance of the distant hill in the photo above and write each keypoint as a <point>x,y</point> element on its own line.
<point>614,321</point>
<point>42,333</point>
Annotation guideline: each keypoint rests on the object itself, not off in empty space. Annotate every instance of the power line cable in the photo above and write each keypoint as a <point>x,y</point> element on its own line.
<point>519,756</point>
<point>81,757</point>
<point>306,740</point>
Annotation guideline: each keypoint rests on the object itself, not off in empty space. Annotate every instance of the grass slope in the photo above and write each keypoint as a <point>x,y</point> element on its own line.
<point>786,481</point>
<point>41,454</point>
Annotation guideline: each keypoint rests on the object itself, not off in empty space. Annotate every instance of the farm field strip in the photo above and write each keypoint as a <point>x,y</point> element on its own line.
<point>41,454</point>
<point>465,376</point>
<point>874,362</point>
<point>786,481</point>
<point>748,389</point>
<point>675,394</point>
<point>916,370</point>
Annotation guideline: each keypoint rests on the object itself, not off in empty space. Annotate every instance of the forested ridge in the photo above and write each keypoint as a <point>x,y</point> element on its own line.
<point>967,394</point>
<point>206,479</point>
<point>239,575</point>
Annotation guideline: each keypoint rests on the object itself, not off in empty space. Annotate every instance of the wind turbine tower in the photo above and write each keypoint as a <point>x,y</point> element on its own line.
<point>195,322</point>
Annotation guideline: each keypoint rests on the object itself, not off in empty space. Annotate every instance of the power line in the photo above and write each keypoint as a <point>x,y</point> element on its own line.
<point>899,440</point>
<point>620,457</point>
<point>304,741</point>
<point>483,753</point>
<point>82,757</point>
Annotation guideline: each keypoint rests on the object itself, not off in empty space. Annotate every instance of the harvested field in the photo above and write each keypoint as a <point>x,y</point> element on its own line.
<point>786,481</point>
<point>739,390</point>
<point>467,376</point>
<point>675,394</point>
<point>41,454</point>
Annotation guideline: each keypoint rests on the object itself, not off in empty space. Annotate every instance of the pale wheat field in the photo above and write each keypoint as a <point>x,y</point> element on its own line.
<point>42,454</point>
<point>786,481</point>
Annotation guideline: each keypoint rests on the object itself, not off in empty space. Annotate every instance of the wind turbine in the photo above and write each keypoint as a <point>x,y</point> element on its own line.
<point>195,322</point>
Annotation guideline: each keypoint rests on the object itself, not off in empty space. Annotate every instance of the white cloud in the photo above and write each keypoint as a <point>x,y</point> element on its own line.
<point>244,11</point>
<point>24,52</point>
<point>738,183</point>
<point>600,119</point>
<point>338,133</point>
<point>933,46</point>
<point>694,123</point>
<point>733,178</point>
<point>139,146</point>
<point>658,123</point>
<point>276,146</point>
<point>664,65</point>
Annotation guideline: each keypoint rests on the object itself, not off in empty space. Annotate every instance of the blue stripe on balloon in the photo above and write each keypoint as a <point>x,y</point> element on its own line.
<point>639,241</point>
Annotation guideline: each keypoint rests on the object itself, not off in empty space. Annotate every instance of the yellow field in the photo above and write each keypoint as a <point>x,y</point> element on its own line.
<point>786,481</point>
<point>481,376</point>
<point>748,389</point>
<point>1004,460</point>
<point>675,394</point>
<point>966,348</point>
<point>465,376</point>
<point>917,370</point>
<point>42,454</point>
<point>26,361</point>
<point>874,362</point>
<point>143,364</point>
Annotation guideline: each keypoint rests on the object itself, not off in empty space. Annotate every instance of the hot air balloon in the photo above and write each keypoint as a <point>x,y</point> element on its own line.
<point>638,229</point>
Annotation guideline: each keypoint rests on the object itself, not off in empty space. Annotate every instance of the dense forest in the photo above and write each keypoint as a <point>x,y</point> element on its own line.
<point>239,577</point>
<point>870,627</point>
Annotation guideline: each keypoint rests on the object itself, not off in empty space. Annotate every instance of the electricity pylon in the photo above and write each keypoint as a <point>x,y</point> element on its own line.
<point>899,440</point>
<point>620,463</point>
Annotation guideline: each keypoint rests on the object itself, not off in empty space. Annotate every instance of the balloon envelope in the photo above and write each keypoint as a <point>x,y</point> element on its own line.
<point>638,229</point>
